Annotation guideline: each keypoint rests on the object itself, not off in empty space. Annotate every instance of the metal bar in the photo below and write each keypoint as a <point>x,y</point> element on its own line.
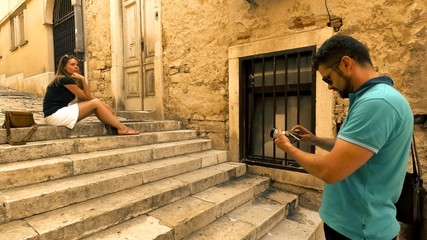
<point>298,90</point>
<point>251,109</point>
<point>313,98</point>
<point>274,102</point>
<point>263,108</point>
<point>298,87</point>
<point>278,166</point>
<point>243,103</point>
<point>286,101</point>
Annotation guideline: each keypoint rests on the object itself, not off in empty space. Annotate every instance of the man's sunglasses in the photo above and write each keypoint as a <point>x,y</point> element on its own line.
<point>327,78</point>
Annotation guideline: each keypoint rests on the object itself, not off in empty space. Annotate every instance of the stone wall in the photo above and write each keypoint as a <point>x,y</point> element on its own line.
<point>98,47</point>
<point>196,35</point>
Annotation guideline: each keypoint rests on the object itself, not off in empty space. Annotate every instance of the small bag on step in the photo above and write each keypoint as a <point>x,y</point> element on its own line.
<point>19,119</point>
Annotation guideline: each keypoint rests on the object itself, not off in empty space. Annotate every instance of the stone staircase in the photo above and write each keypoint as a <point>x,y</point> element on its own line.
<point>165,183</point>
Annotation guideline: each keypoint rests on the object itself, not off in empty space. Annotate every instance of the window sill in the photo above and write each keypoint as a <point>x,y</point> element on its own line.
<point>23,43</point>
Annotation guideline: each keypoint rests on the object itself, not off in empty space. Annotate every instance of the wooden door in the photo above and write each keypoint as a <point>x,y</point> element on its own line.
<point>132,55</point>
<point>139,39</point>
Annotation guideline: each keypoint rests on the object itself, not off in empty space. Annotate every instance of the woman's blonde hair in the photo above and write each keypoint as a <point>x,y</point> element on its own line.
<point>60,72</point>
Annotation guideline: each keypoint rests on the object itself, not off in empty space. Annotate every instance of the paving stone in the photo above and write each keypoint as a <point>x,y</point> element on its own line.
<point>225,228</point>
<point>140,228</point>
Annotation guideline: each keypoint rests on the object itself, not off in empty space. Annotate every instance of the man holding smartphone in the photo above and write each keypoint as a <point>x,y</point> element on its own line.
<point>366,164</point>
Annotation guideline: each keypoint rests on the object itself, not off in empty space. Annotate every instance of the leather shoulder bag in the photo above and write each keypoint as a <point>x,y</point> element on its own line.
<point>19,119</point>
<point>410,204</point>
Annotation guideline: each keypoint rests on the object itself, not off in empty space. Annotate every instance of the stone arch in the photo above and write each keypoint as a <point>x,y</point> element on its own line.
<point>48,11</point>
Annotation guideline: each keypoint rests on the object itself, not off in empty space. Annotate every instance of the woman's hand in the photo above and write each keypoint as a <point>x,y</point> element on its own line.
<point>81,89</point>
<point>77,76</point>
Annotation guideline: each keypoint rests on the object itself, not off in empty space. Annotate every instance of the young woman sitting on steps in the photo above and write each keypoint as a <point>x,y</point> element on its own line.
<point>64,89</point>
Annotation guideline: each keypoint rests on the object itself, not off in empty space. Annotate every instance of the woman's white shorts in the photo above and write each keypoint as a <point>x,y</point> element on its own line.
<point>66,116</point>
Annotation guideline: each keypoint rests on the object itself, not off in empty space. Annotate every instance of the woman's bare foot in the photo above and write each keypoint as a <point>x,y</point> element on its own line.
<point>127,131</point>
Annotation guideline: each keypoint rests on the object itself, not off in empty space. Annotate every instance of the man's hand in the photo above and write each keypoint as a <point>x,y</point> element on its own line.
<point>309,138</point>
<point>306,135</point>
<point>282,141</point>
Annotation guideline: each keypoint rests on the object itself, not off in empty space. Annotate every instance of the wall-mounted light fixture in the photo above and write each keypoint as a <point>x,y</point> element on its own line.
<point>335,23</point>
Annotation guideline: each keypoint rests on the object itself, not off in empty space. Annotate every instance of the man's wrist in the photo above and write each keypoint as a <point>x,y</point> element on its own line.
<point>291,149</point>
<point>288,146</point>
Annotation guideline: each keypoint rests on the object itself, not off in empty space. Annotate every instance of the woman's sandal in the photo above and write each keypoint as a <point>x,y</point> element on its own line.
<point>128,131</point>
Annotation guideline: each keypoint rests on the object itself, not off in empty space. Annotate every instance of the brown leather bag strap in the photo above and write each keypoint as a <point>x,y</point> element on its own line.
<point>32,131</point>
<point>416,166</point>
<point>7,126</point>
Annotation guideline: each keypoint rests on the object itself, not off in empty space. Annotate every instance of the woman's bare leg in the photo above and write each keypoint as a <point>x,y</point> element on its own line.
<point>103,113</point>
<point>110,108</point>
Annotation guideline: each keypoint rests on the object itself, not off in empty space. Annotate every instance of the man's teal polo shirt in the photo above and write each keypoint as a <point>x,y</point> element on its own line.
<point>362,205</point>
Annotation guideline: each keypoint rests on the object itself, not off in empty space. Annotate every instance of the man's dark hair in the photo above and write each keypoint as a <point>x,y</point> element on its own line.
<point>333,49</point>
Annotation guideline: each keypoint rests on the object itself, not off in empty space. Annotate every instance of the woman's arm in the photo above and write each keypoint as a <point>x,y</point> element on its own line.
<point>76,90</point>
<point>85,86</point>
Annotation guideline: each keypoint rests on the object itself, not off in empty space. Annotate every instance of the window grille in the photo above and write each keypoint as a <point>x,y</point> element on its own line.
<point>278,91</point>
<point>64,36</point>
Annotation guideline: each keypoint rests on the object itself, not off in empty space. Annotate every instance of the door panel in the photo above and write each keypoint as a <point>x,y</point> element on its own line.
<point>148,18</point>
<point>132,55</point>
<point>148,27</point>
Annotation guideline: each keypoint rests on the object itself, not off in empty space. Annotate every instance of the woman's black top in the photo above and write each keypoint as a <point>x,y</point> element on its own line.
<point>57,97</point>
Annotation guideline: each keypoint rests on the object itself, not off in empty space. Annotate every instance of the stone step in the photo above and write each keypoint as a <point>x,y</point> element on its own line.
<point>201,209</point>
<point>140,228</point>
<point>180,218</point>
<point>86,129</point>
<point>37,198</point>
<point>60,147</point>
<point>251,220</point>
<point>302,224</point>
<point>138,115</point>
<point>82,219</point>
<point>40,170</point>
<point>254,217</point>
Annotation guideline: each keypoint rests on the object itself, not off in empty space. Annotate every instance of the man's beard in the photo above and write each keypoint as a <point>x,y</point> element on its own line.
<point>348,87</point>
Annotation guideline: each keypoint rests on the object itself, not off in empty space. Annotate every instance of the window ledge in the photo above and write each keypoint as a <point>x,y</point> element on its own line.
<point>23,43</point>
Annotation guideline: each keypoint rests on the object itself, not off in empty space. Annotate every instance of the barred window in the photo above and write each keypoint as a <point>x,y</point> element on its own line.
<point>278,91</point>
<point>17,31</point>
